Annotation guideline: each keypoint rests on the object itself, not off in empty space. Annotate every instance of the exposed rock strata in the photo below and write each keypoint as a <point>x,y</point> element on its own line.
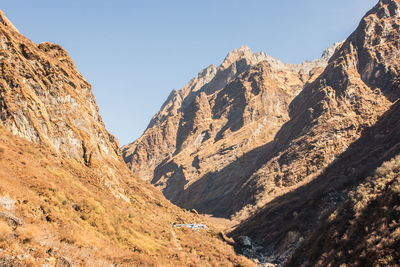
<point>44,99</point>
<point>195,148</point>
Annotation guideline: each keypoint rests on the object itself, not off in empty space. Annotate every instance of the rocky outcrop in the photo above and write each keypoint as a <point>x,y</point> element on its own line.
<point>192,145</point>
<point>44,99</point>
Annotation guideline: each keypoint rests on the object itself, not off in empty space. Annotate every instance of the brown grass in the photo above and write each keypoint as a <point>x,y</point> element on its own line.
<point>28,232</point>
<point>48,190</point>
<point>5,231</point>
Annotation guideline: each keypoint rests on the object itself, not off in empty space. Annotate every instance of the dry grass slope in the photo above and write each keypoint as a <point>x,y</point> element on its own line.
<point>68,214</point>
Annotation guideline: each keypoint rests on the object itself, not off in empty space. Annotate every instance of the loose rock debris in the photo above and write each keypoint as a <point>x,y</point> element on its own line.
<point>191,226</point>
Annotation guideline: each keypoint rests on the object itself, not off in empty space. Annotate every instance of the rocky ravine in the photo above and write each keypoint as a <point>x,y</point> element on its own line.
<point>209,135</point>
<point>293,153</point>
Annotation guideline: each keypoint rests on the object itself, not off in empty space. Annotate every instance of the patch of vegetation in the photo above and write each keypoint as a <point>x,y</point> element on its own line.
<point>365,230</point>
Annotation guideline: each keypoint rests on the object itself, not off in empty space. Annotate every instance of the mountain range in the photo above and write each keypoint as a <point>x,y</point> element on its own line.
<point>253,162</point>
<point>282,148</point>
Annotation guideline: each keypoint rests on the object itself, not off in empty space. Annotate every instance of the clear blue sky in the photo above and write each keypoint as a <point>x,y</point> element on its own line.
<point>135,52</point>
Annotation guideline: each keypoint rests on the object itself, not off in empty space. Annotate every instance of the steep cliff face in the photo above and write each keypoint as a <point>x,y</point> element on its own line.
<point>364,229</point>
<point>44,99</point>
<point>66,196</point>
<point>192,146</point>
<point>161,138</point>
<point>343,126</point>
<point>359,84</point>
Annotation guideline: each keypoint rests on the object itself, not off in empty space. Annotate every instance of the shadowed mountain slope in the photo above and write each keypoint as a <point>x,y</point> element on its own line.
<point>351,131</point>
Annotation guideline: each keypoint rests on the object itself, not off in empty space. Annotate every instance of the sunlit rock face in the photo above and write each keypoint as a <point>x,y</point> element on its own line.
<point>44,99</point>
<point>196,147</point>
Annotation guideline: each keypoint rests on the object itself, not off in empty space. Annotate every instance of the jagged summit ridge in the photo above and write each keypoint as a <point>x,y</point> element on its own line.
<point>243,95</point>
<point>235,63</point>
<point>244,53</point>
<point>208,82</point>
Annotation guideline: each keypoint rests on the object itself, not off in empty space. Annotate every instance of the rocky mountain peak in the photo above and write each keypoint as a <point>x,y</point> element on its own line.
<point>207,72</point>
<point>240,97</point>
<point>328,53</point>
<point>4,20</point>
<point>243,53</point>
<point>237,54</point>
